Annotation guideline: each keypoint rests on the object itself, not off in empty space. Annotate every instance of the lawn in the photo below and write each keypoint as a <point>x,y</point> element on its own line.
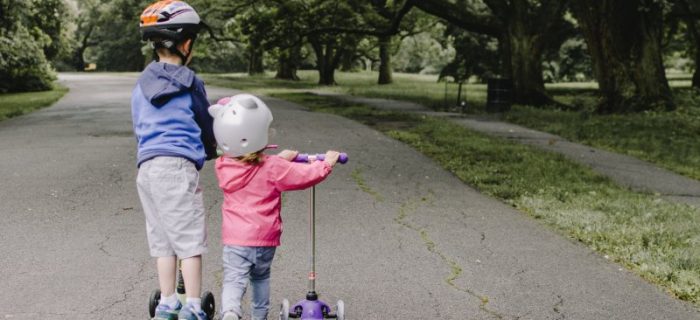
<point>17,104</point>
<point>655,238</point>
<point>667,139</point>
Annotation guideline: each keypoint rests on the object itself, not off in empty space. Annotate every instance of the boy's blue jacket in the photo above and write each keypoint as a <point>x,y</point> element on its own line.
<point>169,113</point>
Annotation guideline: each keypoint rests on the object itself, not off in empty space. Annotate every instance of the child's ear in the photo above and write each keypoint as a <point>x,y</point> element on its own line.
<point>215,110</point>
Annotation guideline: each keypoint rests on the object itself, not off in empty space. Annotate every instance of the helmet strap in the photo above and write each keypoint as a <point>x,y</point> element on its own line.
<point>172,47</point>
<point>189,52</point>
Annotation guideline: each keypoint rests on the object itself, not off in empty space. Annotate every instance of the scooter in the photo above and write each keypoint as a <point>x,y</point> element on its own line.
<point>312,308</point>
<point>208,303</point>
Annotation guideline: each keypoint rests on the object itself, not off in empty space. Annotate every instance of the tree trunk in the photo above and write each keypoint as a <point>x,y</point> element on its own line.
<point>526,42</point>
<point>385,68</point>
<point>694,35</point>
<point>523,30</point>
<point>624,40</point>
<point>327,59</point>
<point>255,59</point>
<point>348,62</point>
<point>526,64</point>
<point>696,75</point>
<point>79,59</point>
<point>79,52</point>
<point>287,68</point>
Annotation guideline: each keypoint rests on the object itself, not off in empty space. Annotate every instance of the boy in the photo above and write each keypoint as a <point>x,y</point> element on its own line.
<point>174,134</point>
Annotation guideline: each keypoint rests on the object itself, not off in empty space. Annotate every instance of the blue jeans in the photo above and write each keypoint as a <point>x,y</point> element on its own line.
<point>243,264</point>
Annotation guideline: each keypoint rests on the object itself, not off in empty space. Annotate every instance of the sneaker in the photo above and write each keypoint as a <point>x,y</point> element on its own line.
<point>188,313</point>
<point>165,312</point>
<point>230,316</point>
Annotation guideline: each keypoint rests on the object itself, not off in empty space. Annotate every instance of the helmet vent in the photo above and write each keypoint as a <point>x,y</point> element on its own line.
<point>248,104</point>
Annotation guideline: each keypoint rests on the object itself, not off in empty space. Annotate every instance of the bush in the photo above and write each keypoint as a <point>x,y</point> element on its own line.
<point>23,66</point>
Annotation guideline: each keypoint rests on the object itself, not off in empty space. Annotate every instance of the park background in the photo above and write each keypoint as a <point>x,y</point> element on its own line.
<point>617,75</point>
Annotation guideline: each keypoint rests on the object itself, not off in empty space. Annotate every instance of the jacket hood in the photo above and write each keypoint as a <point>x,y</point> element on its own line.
<point>238,174</point>
<point>161,81</point>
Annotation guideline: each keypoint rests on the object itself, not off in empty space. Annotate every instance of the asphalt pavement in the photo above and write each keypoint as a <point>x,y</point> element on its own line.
<point>398,237</point>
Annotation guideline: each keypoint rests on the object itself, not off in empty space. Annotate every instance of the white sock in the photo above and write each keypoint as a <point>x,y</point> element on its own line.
<point>196,303</point>
<point>170,301</point>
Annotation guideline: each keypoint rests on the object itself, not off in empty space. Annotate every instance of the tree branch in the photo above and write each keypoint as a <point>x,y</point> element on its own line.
<point>220,38</point>
<point>392,30</point>
<point>461,17</point>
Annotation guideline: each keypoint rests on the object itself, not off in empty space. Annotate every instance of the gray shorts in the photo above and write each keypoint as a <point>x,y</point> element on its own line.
<point>172,202</point>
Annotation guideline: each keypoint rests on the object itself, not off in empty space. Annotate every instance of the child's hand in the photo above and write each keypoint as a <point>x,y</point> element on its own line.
<point>332,157</point>
<point>288,155</point>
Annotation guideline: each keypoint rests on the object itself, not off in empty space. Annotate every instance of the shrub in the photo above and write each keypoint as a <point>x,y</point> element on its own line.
<point>23,66</point>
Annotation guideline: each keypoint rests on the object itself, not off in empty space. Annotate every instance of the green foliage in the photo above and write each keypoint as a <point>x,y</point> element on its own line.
<point>424,52</point>
<point>217,57</point>
<point>476,55</point>
<point>48,19</point>
<point>23,66</point>
<point>118,38</point>
<point>570,63</point>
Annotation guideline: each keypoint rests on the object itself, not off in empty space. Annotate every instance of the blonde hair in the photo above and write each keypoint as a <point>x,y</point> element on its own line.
<point>253,158</point>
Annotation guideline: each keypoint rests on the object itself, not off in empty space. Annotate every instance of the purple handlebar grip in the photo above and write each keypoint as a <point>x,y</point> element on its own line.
<point>303,157</point>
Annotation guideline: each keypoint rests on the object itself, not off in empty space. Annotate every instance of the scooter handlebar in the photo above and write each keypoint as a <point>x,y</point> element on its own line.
<point>305,157</point>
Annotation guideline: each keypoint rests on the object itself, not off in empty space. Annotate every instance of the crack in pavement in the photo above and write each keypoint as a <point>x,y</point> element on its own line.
<point>456,269</point>
<point>412,205</point>
<point>557,307</point>
<point>101,246</point>
<point>126,292</point>
<point>360,181</point>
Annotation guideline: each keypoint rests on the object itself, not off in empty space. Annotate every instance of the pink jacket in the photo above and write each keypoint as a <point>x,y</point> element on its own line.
<point>252,196</point>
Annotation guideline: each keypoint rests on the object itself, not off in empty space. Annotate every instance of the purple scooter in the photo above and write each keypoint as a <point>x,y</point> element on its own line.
<point>312,308</point>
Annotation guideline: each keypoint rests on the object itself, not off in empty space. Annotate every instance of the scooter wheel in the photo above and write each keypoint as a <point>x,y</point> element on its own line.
<point>208,304</point>
<point>340,310</point>
<point>284,310</point>
<point>153,302</point>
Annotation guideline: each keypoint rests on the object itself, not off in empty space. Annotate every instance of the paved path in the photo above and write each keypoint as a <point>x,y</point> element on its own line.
<point>625,170</point>
<point>398,236</point>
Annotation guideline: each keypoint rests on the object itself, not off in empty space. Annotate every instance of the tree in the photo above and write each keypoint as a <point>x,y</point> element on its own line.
<point>119,38</point>
<point>387,19</point>
<point>476,55</point>
<point>624,41</point>
<point>23,64</point>
<point>86,23</point>
<point>524,28</point>
<point>690,13</point>
<point>48,21</point>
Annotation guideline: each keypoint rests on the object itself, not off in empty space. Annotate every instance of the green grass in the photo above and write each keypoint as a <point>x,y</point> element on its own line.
<point>423,89</point>
<point>667,139</point>
<point>17,104</point>
<point>655,238</point>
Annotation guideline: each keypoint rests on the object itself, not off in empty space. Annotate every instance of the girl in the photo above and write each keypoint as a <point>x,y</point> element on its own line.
<point>252,183</point>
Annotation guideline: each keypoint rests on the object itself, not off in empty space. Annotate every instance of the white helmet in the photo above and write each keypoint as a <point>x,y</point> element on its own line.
<point>169,19</point>
<point>241,124</point>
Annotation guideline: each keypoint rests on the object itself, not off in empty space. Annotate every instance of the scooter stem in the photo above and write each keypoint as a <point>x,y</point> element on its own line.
<point>312,242</point>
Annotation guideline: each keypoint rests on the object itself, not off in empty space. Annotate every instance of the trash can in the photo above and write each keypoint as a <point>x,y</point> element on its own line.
<point>499,94</point>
